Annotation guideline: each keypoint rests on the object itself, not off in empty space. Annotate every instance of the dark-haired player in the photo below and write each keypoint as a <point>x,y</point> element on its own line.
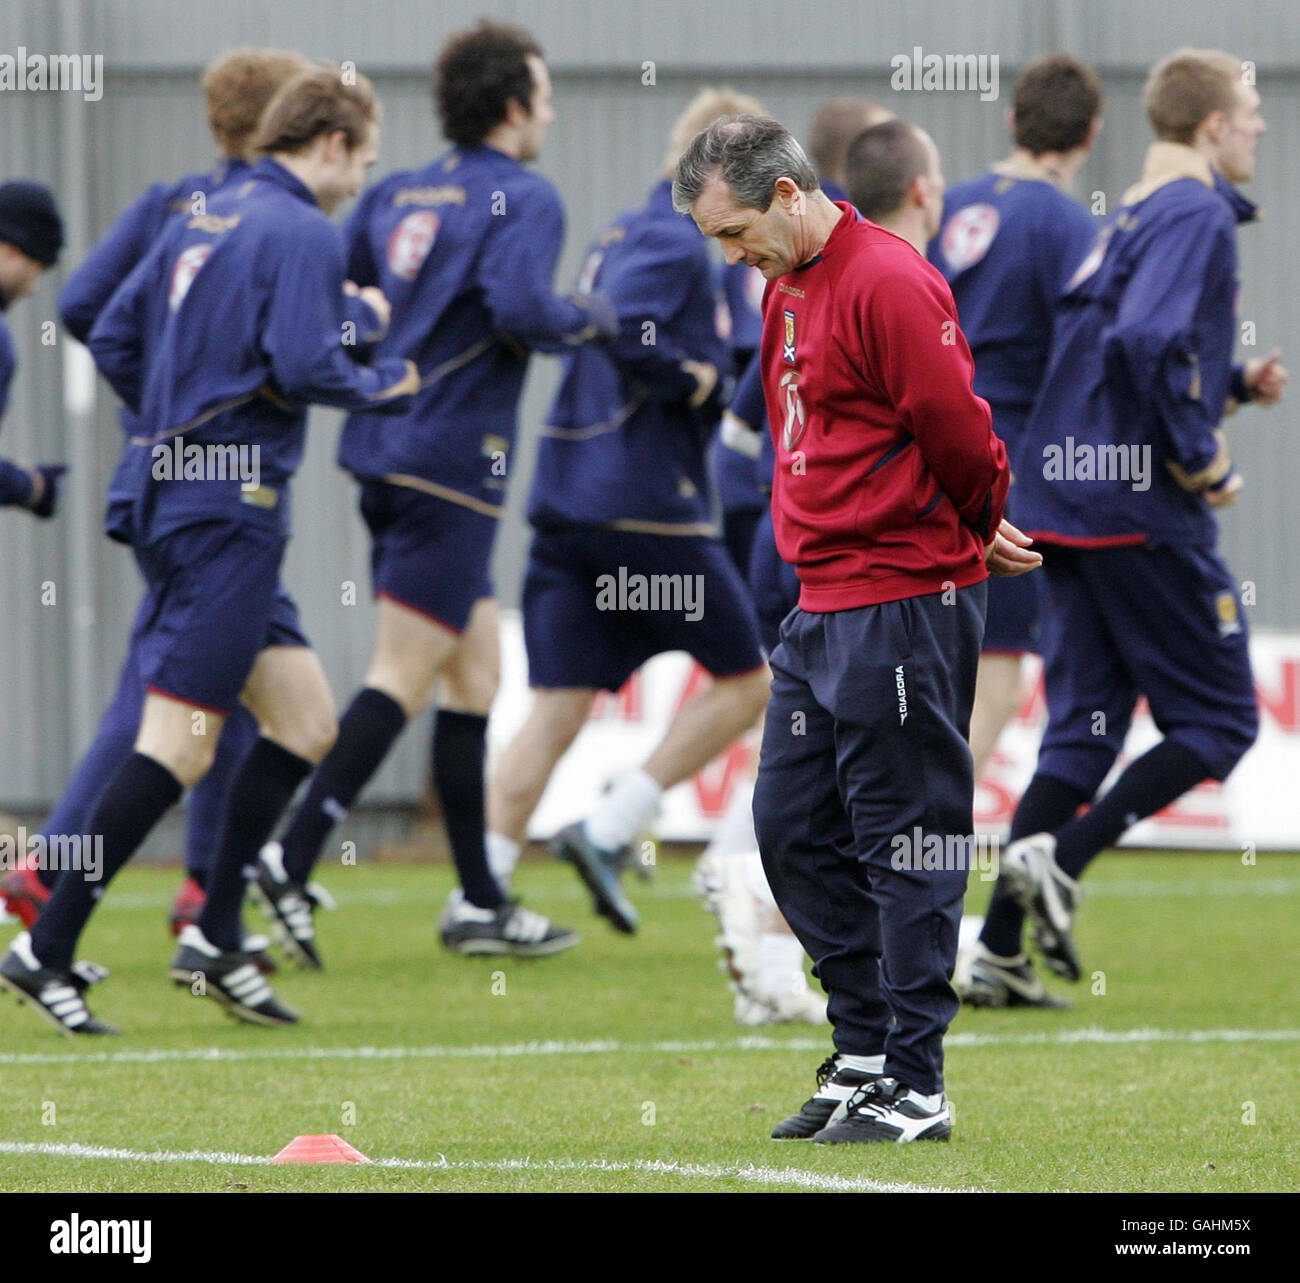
<point>465,250</point>
<point>620,497</point>
<point>1011,237</point>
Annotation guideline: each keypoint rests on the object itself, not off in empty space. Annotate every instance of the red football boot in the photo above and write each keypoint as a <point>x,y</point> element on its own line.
<point>24,894</point>
<point>187,906</point>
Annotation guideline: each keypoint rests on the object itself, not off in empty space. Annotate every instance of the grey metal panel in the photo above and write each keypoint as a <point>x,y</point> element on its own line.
<point>602,154</point>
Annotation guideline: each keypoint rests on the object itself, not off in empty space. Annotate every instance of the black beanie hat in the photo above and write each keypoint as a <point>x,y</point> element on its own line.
<point>29,220</point>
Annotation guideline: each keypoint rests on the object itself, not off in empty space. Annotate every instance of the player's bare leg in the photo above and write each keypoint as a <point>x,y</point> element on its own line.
<point>599,847</point>
<point>179,736</point>
<point>997,696</point>
<point>410,651</point>
<point>525,766</point>
<point>706,724</point>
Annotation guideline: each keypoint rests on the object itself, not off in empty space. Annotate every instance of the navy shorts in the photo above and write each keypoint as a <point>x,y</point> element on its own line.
<point>864,768</point>
<point>428,554</point>
<point>590,598</point>
<point>1015,619</point>
<point>773,584</point>
<point>213,601</point>
<point>1160,621</point>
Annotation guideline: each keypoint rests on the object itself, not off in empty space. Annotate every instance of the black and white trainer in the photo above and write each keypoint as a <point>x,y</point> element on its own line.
<point>56,995</point>
<point>289,907</point>
<point>600,871</point>
<point>232,978</point>
<point>985,980</point>
<point>835,1084</point>
<point>85,973</point>
<point>1050,897</point>
<point>512,929</point>
<point>887,1110</point>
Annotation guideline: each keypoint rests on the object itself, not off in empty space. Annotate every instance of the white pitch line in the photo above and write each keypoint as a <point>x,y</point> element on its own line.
<point>1248,884</point>
<point>750,1173</point>
<point>611,1046</point>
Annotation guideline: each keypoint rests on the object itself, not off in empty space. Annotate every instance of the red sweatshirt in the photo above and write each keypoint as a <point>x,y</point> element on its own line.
<point>889,479</point>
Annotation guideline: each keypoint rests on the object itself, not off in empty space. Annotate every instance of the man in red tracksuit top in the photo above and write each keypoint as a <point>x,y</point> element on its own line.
<point>888,497</point>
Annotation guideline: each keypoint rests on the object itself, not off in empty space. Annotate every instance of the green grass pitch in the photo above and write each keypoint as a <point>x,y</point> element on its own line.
<point>617,1066</point>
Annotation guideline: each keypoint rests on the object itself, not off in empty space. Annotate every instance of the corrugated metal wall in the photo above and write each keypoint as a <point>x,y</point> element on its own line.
<point>58,658</point>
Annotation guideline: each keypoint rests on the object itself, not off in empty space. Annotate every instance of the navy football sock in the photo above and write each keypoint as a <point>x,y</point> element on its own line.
<point>458,752</point>
<point>211,796</point>
<point>133,801</point>
<point>366,733</point>
<point>1046,805</point>
<point>1146,786</point>
<point>263,788</point>
<point>114,742</point>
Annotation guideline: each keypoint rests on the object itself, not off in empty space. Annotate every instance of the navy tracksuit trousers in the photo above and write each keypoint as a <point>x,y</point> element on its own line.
<point>864,748</point>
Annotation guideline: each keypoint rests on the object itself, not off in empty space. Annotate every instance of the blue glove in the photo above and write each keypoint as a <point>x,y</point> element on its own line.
<point>52,475</point>
<point>602,320</point>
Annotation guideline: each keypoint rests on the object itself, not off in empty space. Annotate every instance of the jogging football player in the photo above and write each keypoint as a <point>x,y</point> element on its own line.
<point>31,236</point>
<point>619,499</point>
<point>888,493</point>
<point>221,337</point>
<point>237,87</point>
<point>1139,602</point>
<point>1011,239</point>
<point>465,249</point>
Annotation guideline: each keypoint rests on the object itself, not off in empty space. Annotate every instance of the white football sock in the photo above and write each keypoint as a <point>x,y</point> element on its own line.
<point>735,831</point>
<point>625,812</point>
<point>780,965</point>
<point>502,856</point>
<point>926,1102</point>
<point>864,1064</point>
<point>756,878</point>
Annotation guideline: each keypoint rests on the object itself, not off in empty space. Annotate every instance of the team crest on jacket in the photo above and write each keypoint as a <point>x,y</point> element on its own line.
<point>968,234</point>
<point>787,348</point>
<point>410,243</point>
<point>186,269</point>
<point>1225,605</point>
<point>796,417</point>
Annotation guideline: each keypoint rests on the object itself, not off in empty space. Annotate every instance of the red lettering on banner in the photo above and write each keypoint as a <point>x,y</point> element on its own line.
<point>1033,701</point>
<point>994,804</point>
<point>696,680</point>
<point>1180,814</point>
<point>714,784</point>
<point>1283,706</point>
<point>628,704</point>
